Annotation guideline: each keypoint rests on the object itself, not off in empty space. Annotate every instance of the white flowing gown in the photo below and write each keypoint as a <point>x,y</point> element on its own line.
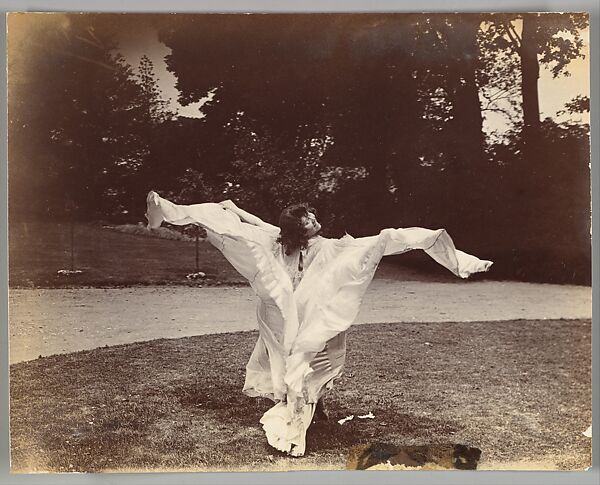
<point>302,318</point>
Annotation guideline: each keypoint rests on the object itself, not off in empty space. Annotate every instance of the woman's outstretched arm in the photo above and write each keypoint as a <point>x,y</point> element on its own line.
<point>436,243</point>
<point>246,246</point>
<point>246,216</point>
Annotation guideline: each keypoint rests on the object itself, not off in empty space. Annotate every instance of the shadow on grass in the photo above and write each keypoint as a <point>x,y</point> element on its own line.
<point>227,402</point>
<point>330,436</point>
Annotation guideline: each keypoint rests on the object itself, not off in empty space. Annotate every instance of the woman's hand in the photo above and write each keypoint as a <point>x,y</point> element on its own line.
<point>228,204</point>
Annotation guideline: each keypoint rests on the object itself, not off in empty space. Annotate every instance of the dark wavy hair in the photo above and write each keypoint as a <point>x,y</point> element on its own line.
<point>293,235</point>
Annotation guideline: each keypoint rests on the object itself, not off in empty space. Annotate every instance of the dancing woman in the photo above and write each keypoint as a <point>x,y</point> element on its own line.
<point>309,289</point>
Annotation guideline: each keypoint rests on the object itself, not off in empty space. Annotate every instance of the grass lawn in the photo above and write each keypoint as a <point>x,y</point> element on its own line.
<point>37,250</point>
<point>518,390</point>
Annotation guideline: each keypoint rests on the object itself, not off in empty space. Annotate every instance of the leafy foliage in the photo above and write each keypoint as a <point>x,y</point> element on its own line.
<point>579,104</point>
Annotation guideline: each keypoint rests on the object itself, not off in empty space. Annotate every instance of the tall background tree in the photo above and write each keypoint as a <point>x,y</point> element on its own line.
<point>544,164</point>
<point>552,40</point>
<point>70,122</point>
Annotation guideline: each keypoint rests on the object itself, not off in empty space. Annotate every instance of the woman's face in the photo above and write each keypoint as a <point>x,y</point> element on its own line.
<point>310,224</point>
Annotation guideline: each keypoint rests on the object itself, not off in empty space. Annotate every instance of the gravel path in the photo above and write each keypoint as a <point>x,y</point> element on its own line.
<point>52,321</point>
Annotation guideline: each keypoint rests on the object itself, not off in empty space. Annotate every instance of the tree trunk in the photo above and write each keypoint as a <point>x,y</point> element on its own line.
<point>404,149</point>
<point>465,136</point>
<point>530,72</point>
<point>468,139</point>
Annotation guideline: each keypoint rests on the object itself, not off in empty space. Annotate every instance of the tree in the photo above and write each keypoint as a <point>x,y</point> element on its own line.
<point>467,116</point>
<point>551,39</point>
<point>75,117</point>
<point>152,128</point>
<point>151,103</point>
<point>299,77</point>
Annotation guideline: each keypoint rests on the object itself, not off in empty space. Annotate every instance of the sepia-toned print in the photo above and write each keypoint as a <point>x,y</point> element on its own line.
<point>269,242</point>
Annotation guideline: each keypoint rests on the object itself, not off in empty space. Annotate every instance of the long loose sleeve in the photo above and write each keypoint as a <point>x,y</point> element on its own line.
<point>247,247</point>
